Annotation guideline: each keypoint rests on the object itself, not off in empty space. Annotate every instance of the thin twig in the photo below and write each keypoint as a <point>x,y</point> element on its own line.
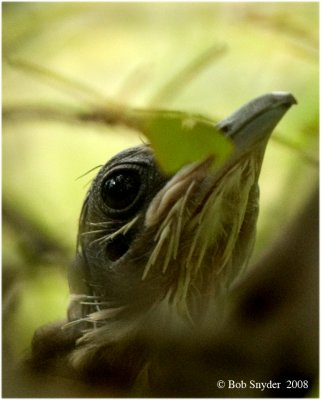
<point>183,77</point>
<point>74,87</point>
<point>130,118</point>
<point>309,159</point>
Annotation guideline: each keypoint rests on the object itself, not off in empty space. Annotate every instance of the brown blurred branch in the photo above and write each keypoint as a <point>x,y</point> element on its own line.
<point>36,245</point>
<point>125,116</point>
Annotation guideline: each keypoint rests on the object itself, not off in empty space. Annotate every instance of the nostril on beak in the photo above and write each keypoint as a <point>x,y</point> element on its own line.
<point>224,127</point>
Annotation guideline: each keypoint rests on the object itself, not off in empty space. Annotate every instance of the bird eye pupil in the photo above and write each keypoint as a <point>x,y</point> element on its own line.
<point>121,189</point>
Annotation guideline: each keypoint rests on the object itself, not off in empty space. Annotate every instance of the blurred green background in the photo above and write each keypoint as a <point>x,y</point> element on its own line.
<point>208,58</point>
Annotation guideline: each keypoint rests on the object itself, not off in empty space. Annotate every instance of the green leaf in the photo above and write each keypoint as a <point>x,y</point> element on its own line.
<point>180,138</point>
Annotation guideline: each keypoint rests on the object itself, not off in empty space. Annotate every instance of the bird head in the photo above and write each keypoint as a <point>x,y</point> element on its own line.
<point>152,243</point>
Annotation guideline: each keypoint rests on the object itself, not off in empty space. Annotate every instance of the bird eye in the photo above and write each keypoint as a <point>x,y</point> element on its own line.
<point>121,188</point>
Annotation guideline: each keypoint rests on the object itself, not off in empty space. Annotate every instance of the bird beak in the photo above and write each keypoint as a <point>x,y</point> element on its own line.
<point>254,122</point>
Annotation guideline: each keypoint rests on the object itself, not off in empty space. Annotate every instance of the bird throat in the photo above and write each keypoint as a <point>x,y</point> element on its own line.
<point>205,232</point>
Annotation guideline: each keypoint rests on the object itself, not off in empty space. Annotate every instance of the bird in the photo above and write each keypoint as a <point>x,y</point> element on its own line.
<point>157,253</point>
